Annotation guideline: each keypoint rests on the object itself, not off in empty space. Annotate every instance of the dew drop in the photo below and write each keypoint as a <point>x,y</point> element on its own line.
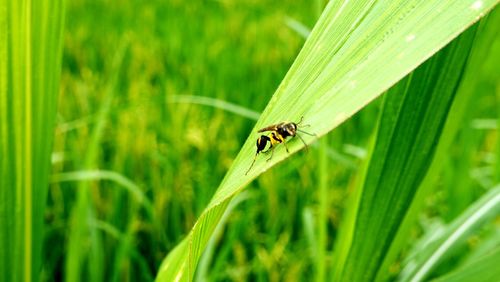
<point>410,37</point>
<point>476,5</point>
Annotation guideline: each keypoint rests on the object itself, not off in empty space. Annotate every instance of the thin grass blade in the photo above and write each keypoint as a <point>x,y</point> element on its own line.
<point>484,268</point>
<point>83,212</point>
<point>455,234</point>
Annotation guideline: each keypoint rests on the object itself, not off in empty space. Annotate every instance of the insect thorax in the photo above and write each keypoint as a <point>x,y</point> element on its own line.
<point>287,129</point>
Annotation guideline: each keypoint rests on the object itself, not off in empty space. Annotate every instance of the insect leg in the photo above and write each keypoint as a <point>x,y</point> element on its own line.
<point>286,147</point>
<point>303,142</point>
<point>254,158</point>
<point>310,134</point>
<point>268,150</point>
<point>272,153</point>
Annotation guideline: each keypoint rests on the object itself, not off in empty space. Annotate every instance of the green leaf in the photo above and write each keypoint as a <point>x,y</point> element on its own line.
<point>484,268</point>
<point>30,62</point>
<point>414,113</point>
<point>482,53</point>
<point>357,50</point>
<point>453,237</point>
<point>83,213</point>
<point>206,259</point>
<point>90,175</point>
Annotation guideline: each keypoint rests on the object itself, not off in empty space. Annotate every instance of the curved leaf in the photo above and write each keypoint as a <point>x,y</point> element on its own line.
<point>484,268</point>
<point>453,236</point>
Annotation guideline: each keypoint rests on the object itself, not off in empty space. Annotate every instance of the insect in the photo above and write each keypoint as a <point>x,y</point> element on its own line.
<point>278,134</point>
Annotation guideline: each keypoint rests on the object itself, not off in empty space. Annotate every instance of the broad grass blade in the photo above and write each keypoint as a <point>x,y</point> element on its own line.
<point>30,66</point>
<point>414,113</point>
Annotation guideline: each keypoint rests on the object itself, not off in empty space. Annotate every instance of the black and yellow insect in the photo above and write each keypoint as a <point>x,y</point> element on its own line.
<point>278,134</point>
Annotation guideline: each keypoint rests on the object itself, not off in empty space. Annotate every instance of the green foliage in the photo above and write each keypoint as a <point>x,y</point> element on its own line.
<point>453,236</point>
<point>30,63</point>
<point>83,212</point>
<point>484,268</point>
<point>173,151</point>
<point>414,113</point>
<point>344,54</point>
<point>158,97</point>
<point>459,115</point>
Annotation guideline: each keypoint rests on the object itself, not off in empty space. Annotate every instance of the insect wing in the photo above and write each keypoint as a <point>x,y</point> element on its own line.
<point>273,127</point>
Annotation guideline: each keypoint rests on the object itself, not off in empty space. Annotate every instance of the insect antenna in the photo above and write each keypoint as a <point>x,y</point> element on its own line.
<point>300,121</point>
<point>303,125</point>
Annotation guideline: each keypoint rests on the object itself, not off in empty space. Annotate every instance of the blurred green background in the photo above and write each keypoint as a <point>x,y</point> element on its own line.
<point>127,62</point>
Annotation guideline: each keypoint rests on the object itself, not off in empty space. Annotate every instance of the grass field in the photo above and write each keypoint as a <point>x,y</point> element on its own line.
<point>177,153</point>
<point>158,97</point>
